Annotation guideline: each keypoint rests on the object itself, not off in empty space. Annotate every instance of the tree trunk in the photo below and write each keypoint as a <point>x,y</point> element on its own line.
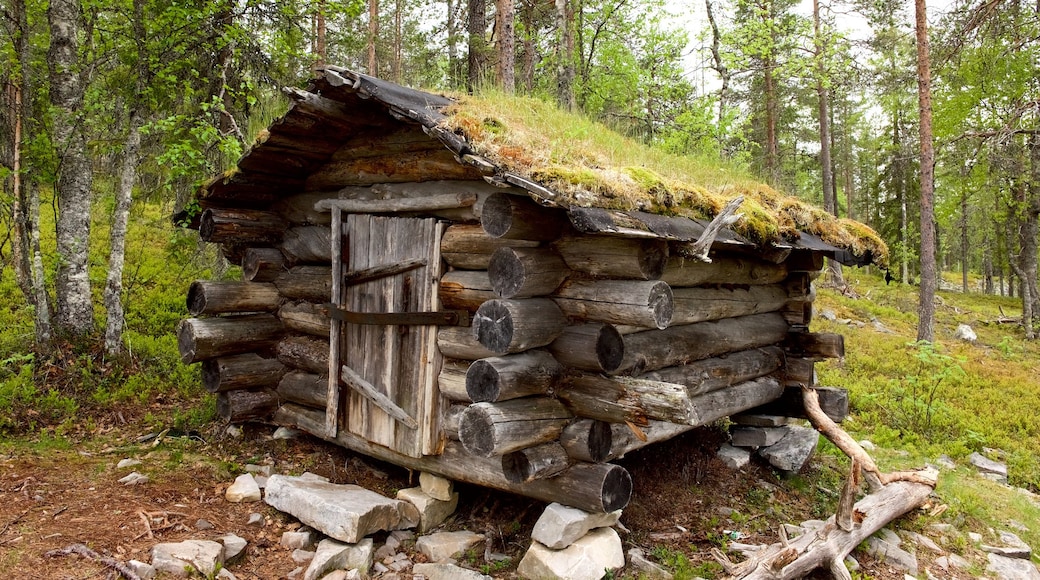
<point>565,54</point>
<point>926,306</point>
<point>113,300</point>
<point>75,311</point>
<point>477,28</point>
<point>830,198</point>
<point>719,66</point>
<point>320,47</point>
<point>504,15</point>
<point>373,37</point>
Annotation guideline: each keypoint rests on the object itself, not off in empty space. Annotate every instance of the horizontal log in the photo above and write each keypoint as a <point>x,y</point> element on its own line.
<point>657,349</point>
<point>306,317</point>
<point>205,338</point>
<point>501,378</point>
<point>517,217</point>
<point>506,326</point>
<point>805,261</point>
<point>701,304</point>
<point>613,257</point>
<point>450,420</point>
<point>393,168</point>
<point>307,245</point>
<point>306,353</point>
<point>240,226</point>
<point>209,297</point>
<point>459,342</point>
<point>313,283</point>
<point>488,429</point>
<point>593,487</point>
<point>834,402</point>
<point>681,272</point>
<point>451,381</point>
<point>712,374</point>
<point>526,272</point>
<point>466,246</point>
<point>303,388</point>
<point>627,437</point>
<point>595,347</point>
<point>638,303</point>
<point>242,406</point>
<point>798,371</point>
<point>587,440</point>
<point>263,264</point>
<point>241,371</point>
<point>465,290</point>
<point>417,204</point>
<point>538,462</point>
<point>815,345</point>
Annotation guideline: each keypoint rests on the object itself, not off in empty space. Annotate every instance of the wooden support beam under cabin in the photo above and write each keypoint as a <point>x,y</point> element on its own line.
<point>637,401</point>
<point>313,283</point>
<point>834,402</point>
<point>657,349</point>
<point>200,339</point>
<point>303,388</point>
<point>507,326</point>
<point>593,487</point>
<point>627,437</point>
<point>241,371</point>
<point>595,347</point>
<point>723,269</point>
<point>501,378</point>
<point>459,342</point>
<point>614,257</point>
<point>307,353</point>
<point>587,440</point>
<point>798,371</point>
<point>240,226</point>
<point>538,462</point>
<point>392,168</point>
<point>306,317</point>
<point>518,217</point>
<point>451,381</point>
<point>487,429</point>
<point>467,247</point>
<point>648,304</point>
<point>209,297</point>
<point>526,272</point>
<point>307,245</point>
<point>263,264</point>
<point>702,304</point>
<point>711,374</point>
<point>246,405</point>
<point>817,346</point>
<point>465,290</point>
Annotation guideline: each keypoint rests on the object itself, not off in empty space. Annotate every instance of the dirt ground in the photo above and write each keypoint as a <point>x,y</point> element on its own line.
<point>52,497</point>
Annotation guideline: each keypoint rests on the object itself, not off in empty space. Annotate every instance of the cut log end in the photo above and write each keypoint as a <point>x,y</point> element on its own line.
<point>482,381</point>
<point>196,300</point>
<point>617,489</point>
<point>507,273</point>
<point>477,432</point>
<point>493,326</point>
<point>662,305</point>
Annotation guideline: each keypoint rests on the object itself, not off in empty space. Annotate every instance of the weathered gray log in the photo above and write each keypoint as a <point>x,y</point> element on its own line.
<point>593,487</point>
<point>391,168</point>
<point>240,226</point>
<point>595,347</point>
<point>517,217</point>
<point>300,208</point>
<point>701,304</point>
<point>538,462</point>
<point>306,353</point>
<point>466,246</point>
<point>417,204</point>
<point>488,429</point>
<point>302,388</point>
<point>241,371</point>
<point>513,376</point>
<point>459,342</point>
<point>313,283</point>
<point>625,399</point>
<point>209,297</point>
<point>307,244</point>
<point>526,272</point>
<point>246,405</point>
<point>626,437</point>
<point>613,257</point>
<point>815,345</point>
<point>205,338</point>
<point>834,402</point>
<point>648,304</point>
<point>362,275</point>
<point>306,317</point>
<point>450,420</point>
<point>680,272</point>
<point>505,326</point>
<point>376,396</point>
<point>587,440</point>
<point>465,290</point>
<point>798,371</point>
<point>263,264</point>
<point>658,349</point>
<point>798,312</point>
<point>712,374</point>
<point>451,382</point>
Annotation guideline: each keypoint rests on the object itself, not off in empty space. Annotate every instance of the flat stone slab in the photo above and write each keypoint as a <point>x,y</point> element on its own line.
<point>443,545</point>
<point>559,526</point>
<point>244,489</point>
<point>332,555</point>
<point>733,457</point>
<point>644,568</point>
<point>986,465</point>
<point>444,571</point>
<point>586,559</point>
<point>1013,547</point>
<point>794,451</point>
<point>182,558</point>
<point>1004,568</point>
<point>748,436</point>
<point>347,513</point>
<point>432,511</point>
<point>436,486</point>
<point>891,554</point>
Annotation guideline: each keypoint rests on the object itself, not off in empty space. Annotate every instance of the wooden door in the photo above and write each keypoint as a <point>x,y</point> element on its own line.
<point>399,361</point>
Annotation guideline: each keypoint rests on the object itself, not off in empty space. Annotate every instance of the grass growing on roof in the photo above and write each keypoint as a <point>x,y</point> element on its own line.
<point>589,165</point>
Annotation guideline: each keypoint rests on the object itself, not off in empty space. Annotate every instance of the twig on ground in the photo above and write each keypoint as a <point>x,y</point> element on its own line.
<point>92,555</point>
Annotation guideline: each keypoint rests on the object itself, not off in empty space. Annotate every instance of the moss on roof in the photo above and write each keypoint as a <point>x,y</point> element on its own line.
<point>589,165</point>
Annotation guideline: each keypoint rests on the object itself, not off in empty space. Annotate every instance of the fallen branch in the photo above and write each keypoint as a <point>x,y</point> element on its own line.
<point>699,249</point>
<point>92,555</point>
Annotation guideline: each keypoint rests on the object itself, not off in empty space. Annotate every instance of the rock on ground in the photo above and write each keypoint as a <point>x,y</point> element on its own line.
<point>559,526</point>
<point>792,452</point>
<point>432,511</point>
<point>1004,568</point>
<point>733,457</point>
<point>178,558</point>
<point>436,486</point>
<point>441,546</point>
<point>444,571</point>
<point>244,489</point>
<point>332,555</point>
<point>586,559</point>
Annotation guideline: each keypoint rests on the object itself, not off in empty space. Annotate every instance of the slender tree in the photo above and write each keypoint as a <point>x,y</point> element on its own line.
<point>504,16</point>
<point>477,29</point>
<point>926,305</point>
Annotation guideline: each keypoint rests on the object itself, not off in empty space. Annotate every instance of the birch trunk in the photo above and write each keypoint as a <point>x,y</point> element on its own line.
<point>113,300</point>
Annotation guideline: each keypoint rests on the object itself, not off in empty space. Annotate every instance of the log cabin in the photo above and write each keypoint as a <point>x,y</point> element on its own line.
<point>429,282</point>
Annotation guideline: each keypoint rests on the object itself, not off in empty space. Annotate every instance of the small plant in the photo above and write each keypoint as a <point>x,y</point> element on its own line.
<point>917,406</point>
